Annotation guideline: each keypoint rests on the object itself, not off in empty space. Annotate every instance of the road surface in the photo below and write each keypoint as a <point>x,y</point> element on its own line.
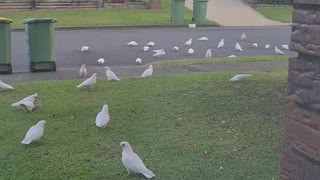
<point>111,44</point>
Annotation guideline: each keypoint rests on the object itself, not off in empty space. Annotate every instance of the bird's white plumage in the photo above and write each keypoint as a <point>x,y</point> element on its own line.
<point>34,133</point>
<point>30,98</point>
<point>132,43</point>
<point>89,82</point>
<point>243,36</point>
<point>175,49</point>
<point>132,162</point>
<point>238,47</point>
<point>100,61</point>
<point>146,48</point>
<point>267,46</point>
<point>138,61</point>
<point>278,51</point>
<point>232,56</point>
<point>203,39</point>
<point>84,48</point>
<point>254,45</point>
<point>110,75</point>
<point>27,106</point>
<point>4,86</point>
<point>148,72</point>
<point>103,117</point>
<point>151,44</point>
<point>239,77</point>
<point>285,46</point>
<point>208,53</point>
<point>190,51</point>
<point>189,42</point>
<point>83,71</point>
<point>159,53</point>
<point>221,43</point>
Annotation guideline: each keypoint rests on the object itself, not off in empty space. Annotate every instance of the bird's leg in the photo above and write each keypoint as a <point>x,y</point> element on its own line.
<point>128,172</point>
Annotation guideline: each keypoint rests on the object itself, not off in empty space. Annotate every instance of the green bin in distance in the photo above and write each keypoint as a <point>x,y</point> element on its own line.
<point>41,46</point>
<point>177,11</point>
<point>199,11</point>
<point>5,46</point>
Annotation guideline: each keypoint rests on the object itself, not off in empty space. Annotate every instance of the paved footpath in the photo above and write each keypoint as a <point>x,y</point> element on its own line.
<point>136,71</point>
<point>234,13</point>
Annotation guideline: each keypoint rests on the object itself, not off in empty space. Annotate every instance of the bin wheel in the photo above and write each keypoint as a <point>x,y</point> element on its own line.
<point>32,69</point>
<point>9,68</point>
<point>54,66</point>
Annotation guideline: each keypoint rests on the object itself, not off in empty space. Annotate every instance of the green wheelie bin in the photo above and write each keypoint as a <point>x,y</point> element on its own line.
<point>199,11</point>
<point>177,11</point>
<point>41,47</point>
<point>5,46</point>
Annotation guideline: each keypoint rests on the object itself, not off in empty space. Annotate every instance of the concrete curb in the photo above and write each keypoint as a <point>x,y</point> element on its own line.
<point>120,27</point>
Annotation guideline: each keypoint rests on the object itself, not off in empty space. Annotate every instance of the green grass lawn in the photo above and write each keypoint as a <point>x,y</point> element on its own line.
<point>220,60</point>
<point>103,17</point>
<point>182,126</point>
<point>278,14</point>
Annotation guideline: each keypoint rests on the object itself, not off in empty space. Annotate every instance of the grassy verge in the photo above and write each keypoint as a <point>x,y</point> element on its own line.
<point>182,126</point>
<point>220,60</point>
<point>104,17</point>
<point>278,14</point>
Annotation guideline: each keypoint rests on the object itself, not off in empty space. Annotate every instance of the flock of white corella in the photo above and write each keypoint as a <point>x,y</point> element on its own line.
<point>131,160</point>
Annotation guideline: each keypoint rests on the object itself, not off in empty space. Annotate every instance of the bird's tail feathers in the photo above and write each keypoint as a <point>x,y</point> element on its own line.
<point>148,173</point>
<point>26,141</point>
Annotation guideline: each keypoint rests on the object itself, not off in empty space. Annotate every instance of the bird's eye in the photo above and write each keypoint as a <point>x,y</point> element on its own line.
<point>123,145</point>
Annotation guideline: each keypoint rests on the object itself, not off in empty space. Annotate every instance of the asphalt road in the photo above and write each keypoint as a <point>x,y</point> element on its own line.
<point>111,44</point>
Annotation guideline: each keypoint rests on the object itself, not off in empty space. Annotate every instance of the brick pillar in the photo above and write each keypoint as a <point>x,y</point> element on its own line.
<point>155,4</point>
<point>300,159</point>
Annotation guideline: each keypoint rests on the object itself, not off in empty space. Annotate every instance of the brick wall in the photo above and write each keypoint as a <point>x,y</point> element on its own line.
<point>301,133</point>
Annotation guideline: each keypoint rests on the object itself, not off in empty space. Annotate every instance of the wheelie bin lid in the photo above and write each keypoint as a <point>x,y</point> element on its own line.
<point>35,20</point>
<point>5,20</point>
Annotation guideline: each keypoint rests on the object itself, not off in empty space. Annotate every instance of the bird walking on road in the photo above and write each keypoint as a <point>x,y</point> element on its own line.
<point>84,48</point>
<point>110,75</point>
<point>189,42</point>
<point>238,47</point>
<point>132,43</point>
<point>278,51</point>
<point>190,51</point>
<point>151,44</point>
<point>100,61</point>
<point>221,44</point>
<point>208,53</point>
<point>203,39</point>
<point>267,46</point>
<point>285,46</point>
<point>83,71</point>
<point>243,36</point>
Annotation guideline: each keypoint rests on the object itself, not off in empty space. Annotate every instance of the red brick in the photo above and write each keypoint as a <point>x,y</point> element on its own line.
<point>306,16</point>
<point>303,82</point>
<point>302,138</point>
<point>296,167</point>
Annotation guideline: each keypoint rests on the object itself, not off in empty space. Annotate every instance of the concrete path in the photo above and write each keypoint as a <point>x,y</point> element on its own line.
<point>234,13</point>
<point>136,71</point>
